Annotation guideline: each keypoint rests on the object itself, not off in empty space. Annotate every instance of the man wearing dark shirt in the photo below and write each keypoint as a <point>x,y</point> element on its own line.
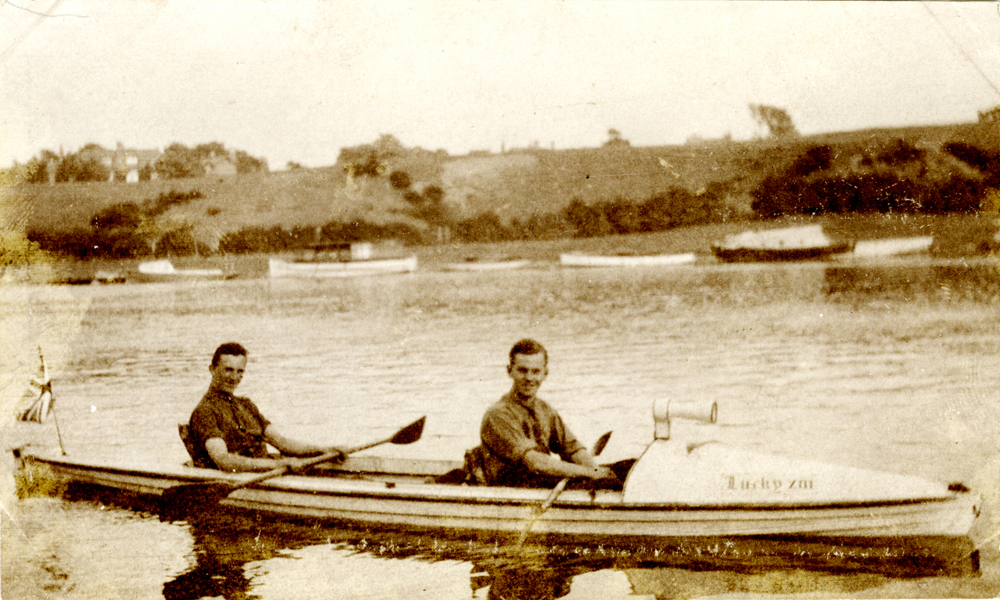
<point>526,443</point>
<point>227,432</point>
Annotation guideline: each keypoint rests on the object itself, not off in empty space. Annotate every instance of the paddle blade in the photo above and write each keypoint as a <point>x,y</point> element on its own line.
<point>178,502</point>
<point>410,433</point>
<point>622,467</point>
<point>601,443</point>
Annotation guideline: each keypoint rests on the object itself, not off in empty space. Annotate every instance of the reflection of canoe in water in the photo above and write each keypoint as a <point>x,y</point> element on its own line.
<point>786,244</point>
<point>475,265</point>
<point>597,260</point>
<point>334,268</point>
<point>675,489</point>
<point>163,270</point>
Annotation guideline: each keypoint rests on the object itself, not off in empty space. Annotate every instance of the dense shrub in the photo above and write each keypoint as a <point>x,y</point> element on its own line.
<point>664,210</point>
<point>484,227</point>
<point>988,163</point>
<point>400,180</point>
<point>900,152</point>
<point>817,158</point>
<point>803,188</point>
<point>957,195</point>
<point>166,200</point>
<point>126,214</point>
<point>621,215</point>
<point>274,240</point>
<point>180,242</point>
<point>588,221</point>
<point>256,239</point>
<point>549,226</point>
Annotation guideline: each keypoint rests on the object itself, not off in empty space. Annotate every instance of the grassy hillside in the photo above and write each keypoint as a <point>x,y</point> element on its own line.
<point>514,184</point>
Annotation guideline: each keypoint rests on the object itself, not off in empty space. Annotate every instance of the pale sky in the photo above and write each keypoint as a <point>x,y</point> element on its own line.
<point>297,80</point>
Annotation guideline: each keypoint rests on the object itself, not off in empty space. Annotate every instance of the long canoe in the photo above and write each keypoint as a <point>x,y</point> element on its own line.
<point>349,268</point>
<point>475,265</point>
<point>597,260</point>
<point>675,489</point>
<point>164,270</point>
<point>893,246</point>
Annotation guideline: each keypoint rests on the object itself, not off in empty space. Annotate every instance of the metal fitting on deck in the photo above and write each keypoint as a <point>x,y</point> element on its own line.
<point>672,409</point>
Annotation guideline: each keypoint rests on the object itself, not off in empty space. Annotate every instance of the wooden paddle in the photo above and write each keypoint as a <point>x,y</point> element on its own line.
<point>182,500</point>
<point>544,506</point>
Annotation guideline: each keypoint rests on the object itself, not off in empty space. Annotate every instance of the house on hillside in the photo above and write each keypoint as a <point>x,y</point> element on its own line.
<point>130,163</point>
<point>220,165</point>
<point>123,164</point>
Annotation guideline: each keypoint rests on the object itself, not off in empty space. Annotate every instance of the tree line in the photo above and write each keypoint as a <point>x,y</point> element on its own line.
<point>90,164</point>
<point>896,178</point>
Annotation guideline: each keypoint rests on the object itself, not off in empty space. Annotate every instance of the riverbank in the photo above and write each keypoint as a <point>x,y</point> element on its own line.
<point>966,237</point>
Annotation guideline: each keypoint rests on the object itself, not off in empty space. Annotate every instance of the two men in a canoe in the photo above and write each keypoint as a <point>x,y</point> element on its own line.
<point>524,441</point>
<point>227,432</point>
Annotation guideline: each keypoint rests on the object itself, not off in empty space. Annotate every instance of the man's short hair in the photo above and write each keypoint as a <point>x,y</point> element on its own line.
<point>528,346</point>
<point>230,348</point>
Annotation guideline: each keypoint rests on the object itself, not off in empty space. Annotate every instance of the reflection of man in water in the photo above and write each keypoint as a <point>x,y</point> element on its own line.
<point>219,570</point>
<point>226,541</point>
<point>517,583</point>
<point>526,443</point>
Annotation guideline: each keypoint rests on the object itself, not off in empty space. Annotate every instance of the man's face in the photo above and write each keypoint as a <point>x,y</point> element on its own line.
<point>528,372</point>
<point>228,373</point>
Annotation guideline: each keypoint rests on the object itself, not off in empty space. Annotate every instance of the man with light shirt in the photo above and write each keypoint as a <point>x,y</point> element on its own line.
<point>524,441</point>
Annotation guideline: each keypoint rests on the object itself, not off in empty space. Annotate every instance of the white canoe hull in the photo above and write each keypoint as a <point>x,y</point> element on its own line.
<point>400,494</point>
<point>355,268</point>
<point>487,266</point>
<point>591,260</point>
<point>893,246</point>
<point>163,270</point>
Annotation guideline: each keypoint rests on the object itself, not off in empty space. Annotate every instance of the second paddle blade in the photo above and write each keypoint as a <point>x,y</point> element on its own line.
<point>410,433</point>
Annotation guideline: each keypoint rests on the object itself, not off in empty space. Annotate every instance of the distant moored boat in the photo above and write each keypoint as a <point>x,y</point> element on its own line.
<point>164,270</point>
<point>340,260</point>
<point>597,260</point>
<point>786,244</point>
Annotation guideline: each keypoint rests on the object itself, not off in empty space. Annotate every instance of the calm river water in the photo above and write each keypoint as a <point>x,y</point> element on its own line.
<point>888,367</point>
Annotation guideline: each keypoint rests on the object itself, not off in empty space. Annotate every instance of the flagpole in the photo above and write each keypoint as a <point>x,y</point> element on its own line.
<point>55,419</point>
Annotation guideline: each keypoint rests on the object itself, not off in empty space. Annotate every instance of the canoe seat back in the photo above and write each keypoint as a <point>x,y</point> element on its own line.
<point>182,429</point>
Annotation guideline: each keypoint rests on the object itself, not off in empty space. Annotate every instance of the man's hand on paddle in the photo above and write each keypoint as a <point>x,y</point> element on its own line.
<point>299,465</point>
<point>602,474</point>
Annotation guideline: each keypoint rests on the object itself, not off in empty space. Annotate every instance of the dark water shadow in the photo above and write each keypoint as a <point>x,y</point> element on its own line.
<point>226,541</point>
<point>975,281</point>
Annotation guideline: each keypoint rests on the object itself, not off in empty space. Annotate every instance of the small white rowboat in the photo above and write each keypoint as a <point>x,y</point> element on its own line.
<point>475,265</point>
<point>164,270</point>
<point>350,268</point>
<point>594,260</point>
<point>675,489</point>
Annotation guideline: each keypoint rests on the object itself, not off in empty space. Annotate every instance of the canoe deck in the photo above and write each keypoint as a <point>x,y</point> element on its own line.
<point>400,493</point>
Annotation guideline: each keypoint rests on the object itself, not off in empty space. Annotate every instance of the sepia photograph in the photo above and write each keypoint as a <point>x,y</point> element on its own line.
<point>509,300</point>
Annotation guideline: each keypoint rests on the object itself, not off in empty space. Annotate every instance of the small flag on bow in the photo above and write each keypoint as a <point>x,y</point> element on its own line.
<point>39,393</point>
